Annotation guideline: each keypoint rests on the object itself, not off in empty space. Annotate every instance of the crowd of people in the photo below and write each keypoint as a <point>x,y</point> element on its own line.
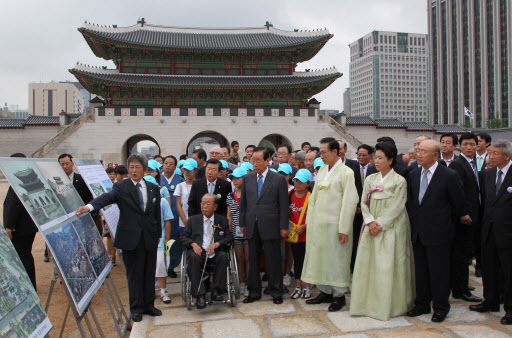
<point>396,231</point>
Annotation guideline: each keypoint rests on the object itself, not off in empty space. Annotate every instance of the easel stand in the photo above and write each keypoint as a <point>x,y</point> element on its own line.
<point>114,303</point>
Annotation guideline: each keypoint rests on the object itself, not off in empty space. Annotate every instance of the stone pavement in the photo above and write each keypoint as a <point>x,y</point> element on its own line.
<point>294,318</point>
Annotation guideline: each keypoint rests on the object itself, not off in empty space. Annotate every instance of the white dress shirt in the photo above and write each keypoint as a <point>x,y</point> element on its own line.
<point>504,170</point>
<point>264,174</point>
<point>71,176</point>
<point>208,233</point>
<point>431,171</point>
<point>448,162</point>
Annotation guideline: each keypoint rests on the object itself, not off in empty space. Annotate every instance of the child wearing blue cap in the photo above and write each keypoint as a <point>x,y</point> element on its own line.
<point>286,170</point>
<point>241,243</point>
<point>299,197</point>
<point>154,171</point>
<point>182,192</point>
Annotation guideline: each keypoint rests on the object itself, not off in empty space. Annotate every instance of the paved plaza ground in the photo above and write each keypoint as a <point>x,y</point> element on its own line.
<point>293,318</point>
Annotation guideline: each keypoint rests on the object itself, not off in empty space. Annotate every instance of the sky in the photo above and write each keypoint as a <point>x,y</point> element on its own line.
<point>40,42</point>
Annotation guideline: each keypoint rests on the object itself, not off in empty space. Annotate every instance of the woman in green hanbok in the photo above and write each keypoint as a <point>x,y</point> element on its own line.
<point>383,280</point>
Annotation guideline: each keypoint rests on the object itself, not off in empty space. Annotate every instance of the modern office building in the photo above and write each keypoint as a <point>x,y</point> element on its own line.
<point>49,99</point>
<point>346,101</point>
<point>470,60</point>
<point>389,76</point>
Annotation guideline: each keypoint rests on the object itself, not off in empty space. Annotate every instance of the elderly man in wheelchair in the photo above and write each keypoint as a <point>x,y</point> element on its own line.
<point>207,238</point>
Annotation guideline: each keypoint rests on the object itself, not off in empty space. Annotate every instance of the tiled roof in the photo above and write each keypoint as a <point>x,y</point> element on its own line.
<point>11,123</point>
<point>448,128</point>
<point>74,116</point>
<point>42,120</point>
<point>114,77</point>
<point>360,121</point>
<point>203,39</point>
<point>389,123</point>
<point>418,126</point>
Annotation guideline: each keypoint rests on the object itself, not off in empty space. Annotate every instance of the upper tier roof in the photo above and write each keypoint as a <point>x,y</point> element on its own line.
<point>200,39</point>
<point>112,76</point>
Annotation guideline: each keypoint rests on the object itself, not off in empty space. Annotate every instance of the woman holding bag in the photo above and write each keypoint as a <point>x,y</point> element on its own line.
<point>299,197</point>
<point>383,280</point>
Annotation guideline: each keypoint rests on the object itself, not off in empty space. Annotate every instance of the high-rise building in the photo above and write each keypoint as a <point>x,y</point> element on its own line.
<point>470,60</point>
<point>389,76</point>
<point>49,99</point>
<point>346,101</point>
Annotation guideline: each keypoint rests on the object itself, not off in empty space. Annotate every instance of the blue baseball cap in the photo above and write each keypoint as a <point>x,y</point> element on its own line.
<point>285,168</point>
<point>189,164</point>
<point>318,163</point>
<point>177,172</point>
<point>153,164</point>
<point>272,169</point>
<point>224,164</point>
<point>247,166</point>
<point>150,179</point>
<point>238,172</point>
<point>303,175</point>
<point>180,163</point>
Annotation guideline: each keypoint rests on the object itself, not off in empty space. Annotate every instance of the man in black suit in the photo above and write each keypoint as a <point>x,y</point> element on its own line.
<point>364,155</point>
<point>138,233</point>
<point>210,184</point>
<point>284,153</point>
<point>264,221</point>
<point>200,156</point>
<point>416,144</point>
<point>496,189</point>
<point>66,162</point>
<point>466,170</point>
<point>449,143</point>
<point>207,234</point>
<point>21,229</point>
<point>435,201</point>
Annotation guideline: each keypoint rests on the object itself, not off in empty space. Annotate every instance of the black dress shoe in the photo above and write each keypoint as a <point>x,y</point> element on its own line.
<point>278,300</point>
<point>216,297</point>
<point>337,303</point>
<point>468,297</point>
<point>264,278</point>
<point>482,307</point>
<point>153,312</point>
<point>415,312</point>
<point>250,299</point>
<point>321,298</point>
<point>478,273</point>
<point>507,319</point>
<point>438,318</point>
<point>172,274</point>
<point>136,317</point>
<point>200,302</point>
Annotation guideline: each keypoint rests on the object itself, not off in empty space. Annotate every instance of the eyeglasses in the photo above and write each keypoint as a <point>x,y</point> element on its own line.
<point>215,153</point>
<point>207,204</point>
<point>212,169</point>
<point>282,154</point>
<point>362,155</point>
<point>322,153</point>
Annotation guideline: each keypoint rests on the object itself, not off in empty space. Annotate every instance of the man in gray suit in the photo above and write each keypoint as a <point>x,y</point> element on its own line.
<point>264,221</point>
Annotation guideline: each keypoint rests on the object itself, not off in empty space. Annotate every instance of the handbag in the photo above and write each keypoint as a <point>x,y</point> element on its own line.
<point>293,236</point>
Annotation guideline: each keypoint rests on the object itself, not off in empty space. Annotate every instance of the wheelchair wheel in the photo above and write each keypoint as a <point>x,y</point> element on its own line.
<point>234,272</point>
<point>232,298</point>
<point>183,276</point>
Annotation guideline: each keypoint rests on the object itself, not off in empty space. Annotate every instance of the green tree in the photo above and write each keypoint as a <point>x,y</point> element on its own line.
<point>467,124</point>
<point>494,123</point>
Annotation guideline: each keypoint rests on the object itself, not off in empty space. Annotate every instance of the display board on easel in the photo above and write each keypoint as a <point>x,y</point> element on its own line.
<point>51,200</point>
<point>98,183</point>
<point>21,312</point>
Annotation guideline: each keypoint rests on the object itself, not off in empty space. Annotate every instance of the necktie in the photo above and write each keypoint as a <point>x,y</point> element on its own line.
<point>423,184</point>
<point>362,175</point>
<point>499,181</point>
<point>479,162</point>
<point>141,199</point>
<point>211,187</point>
<point>260,183</point>
<point>475,172</point>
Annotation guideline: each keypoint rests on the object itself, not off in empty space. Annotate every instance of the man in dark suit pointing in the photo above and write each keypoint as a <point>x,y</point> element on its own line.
<point>264,220</point>
<point>138,232</point>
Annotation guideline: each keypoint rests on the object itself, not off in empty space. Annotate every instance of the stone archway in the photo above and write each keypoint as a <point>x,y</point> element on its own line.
<point>131,142</point>
<point>274,140</point>
<point>206,140</point>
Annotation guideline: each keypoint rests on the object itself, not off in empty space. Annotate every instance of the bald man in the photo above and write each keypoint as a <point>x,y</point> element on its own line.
<point>435,202</point>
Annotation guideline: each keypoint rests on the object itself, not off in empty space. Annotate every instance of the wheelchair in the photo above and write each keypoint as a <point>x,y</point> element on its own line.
<point>232,287</point>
